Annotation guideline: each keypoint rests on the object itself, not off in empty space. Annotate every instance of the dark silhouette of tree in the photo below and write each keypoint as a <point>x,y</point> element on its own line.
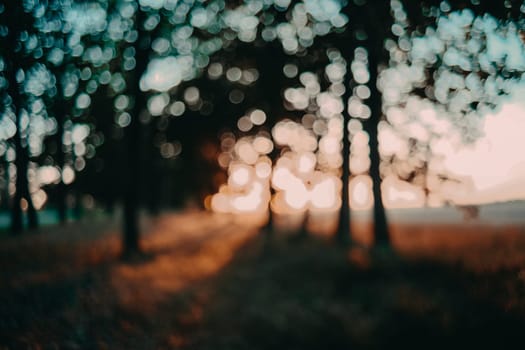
<point>346,43</point>
<point>142,48</point>
<point>153,33</point>
<point>376,28</point>
<point>133,138</point>
<point>18,21</point>
<point>60,116</point>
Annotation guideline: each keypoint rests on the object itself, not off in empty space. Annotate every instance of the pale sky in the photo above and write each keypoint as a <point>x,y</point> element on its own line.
<point>496,163</point>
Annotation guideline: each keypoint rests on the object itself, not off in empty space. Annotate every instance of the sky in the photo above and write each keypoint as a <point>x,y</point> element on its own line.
<point>462,61</point>
<point>495,163</point>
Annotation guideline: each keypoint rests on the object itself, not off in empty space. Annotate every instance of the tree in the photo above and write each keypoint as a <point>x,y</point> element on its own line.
<point>448,71</point>
<point>201,29</point>
<point>296,29</point>
<point>15,57</point>
<point>375,32</point>
<point>61,63</point>
<point>370,35</point>
<point>151,23</point>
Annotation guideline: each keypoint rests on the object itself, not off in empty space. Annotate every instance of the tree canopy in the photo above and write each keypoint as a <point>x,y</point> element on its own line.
<point>287,104</point>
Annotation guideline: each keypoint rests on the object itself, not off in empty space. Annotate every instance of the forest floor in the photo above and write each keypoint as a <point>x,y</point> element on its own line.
<point>212,281</point>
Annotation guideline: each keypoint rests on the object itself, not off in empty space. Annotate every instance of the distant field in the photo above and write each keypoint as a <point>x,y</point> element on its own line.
<point>496,213</point>
<point>46,217</point>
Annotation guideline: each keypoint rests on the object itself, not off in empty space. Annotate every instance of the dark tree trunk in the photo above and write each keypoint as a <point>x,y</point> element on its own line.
<point>154,189</point>
<point>381,235</point>
<point>132,138</point>
<point>5,195</point>
<point>78,209</point>
<point>60,116</point>
<point>379,15</point>
<point>346,44</point>
<point>22,187</point>
<point>12,61</point>
<point>13,90</point>
<point>154,193</point>
<point>131,189</point>
<point>132,182</point>
<point>343,229</point>
<point>17,224</point>
<point>271,61</point>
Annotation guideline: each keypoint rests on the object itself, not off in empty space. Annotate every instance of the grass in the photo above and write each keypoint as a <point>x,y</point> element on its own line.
<point>215,282</point>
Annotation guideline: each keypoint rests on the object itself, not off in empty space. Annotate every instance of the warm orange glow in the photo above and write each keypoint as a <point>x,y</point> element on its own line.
<point>174,270</point>
<point>418,137</point>
<point>326,193</point>
<point>39,199</point>
<point>360,188</point>
<point>263,169</point>
<point>23,204</point>
<point>252,201</point>
<point>281,177</point>
<point>263,145</point>
<point>295,193</point>
<point>329,144</point>
<point>240,175</point>
<point>246,152</point>
<point>306,162</point>
<point>401,194</point>
<point>220,203</point>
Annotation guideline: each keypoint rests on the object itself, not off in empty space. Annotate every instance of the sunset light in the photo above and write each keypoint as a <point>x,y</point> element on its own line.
<point>262,174</point>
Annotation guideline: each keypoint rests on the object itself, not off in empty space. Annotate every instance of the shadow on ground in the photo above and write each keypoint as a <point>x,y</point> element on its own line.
<point>214,283</point>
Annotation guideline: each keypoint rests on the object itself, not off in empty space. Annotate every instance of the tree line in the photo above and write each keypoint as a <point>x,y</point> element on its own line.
<point>109,96</point>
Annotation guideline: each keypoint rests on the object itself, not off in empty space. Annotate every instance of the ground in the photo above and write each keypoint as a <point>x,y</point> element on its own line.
<point>211,281</point>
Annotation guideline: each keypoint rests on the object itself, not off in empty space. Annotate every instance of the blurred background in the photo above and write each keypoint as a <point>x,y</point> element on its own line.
<point>237,107</point>
<point>299,174</point>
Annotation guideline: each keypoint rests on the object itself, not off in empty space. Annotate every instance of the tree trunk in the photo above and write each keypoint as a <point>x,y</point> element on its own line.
<point>22,187</point>
<point>17,225</point>
<point>78,208</point>
<point>381,234</point>
<point>272,62</point>
<point>343,230</point>
<point>12,61</point>
<point>131,188</point>
<point>153,178</point>
<point>132,139</point>
<point>346,45</point>
<point>5,195</point>
<point>60,116</point>
<point>373,17</point>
